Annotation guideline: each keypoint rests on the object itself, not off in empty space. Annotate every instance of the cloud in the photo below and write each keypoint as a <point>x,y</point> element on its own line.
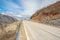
<point>12,5</point>
<point>7,5</point>
<point>31,6</point>
<point>0,9</point>
<point>12,14</point>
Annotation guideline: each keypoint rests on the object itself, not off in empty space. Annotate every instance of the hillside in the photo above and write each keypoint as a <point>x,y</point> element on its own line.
<point>8,27</point>
<point>6,19</point>
<point>48,15</point>
<point>9,32</point>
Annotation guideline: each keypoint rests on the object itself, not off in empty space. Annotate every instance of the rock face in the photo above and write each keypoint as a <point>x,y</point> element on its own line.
<point>49,15</point>
<point>8,27</point>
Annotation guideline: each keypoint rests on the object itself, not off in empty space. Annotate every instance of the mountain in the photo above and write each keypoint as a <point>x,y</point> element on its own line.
<point>48,15</point>
<point>6,19</point>
<point>8,27</point>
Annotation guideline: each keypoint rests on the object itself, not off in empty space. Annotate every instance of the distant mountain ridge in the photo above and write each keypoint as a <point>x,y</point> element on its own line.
<point>48,15</point>
<point>6,19</point>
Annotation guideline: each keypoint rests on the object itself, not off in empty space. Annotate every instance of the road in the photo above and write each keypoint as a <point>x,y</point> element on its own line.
<point>38,31</point>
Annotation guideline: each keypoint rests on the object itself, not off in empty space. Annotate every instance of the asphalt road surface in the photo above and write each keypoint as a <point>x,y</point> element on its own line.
<point>38,31</point>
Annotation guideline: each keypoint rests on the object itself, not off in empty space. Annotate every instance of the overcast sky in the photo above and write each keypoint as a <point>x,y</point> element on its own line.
<point>23,8</point>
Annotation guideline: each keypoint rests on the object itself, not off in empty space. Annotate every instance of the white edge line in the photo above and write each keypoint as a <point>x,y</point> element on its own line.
<point>26,33</point>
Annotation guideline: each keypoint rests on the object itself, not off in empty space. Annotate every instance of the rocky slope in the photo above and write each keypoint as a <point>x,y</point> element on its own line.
<point>49,15</point>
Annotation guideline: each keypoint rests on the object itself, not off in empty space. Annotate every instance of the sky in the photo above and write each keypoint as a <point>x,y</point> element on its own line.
<point>23,8</point>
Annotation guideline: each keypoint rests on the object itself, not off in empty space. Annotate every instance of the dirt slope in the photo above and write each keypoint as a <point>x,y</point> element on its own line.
<point>49,15</point>
<point>9,32</point>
